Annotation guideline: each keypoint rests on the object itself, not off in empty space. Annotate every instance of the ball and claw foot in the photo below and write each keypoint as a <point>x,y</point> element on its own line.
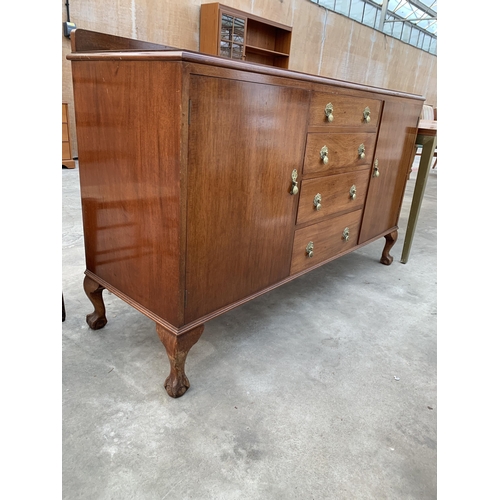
<point>390,240</point>
<point>93,290</point>
<point>176,386</point>
<point>95,321</point>
<point>177,347</point>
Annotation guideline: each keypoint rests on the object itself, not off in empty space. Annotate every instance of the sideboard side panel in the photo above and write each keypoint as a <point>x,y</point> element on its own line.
<point>128,116</point>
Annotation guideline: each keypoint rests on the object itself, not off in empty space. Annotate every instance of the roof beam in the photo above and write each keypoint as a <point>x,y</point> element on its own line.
<point>383,15</point>
<point>423,7</point>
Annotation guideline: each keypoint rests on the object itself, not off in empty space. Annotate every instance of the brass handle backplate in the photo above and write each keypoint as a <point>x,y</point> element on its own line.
<point>366,115</point>
<point>361,151</point>
<point>309,249</point>
<point>317,201</point>
<point>295,187</point>
<point>329,112</point>
<point>352,192</point>
<point>323,154</point>
<point>345,234</point>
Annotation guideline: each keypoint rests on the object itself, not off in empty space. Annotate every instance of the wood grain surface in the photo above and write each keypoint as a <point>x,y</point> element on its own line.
<point>241,155</point>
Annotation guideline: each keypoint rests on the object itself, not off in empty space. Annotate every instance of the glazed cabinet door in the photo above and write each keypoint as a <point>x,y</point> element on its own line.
<point>392,159</point>
<point>245,139</point>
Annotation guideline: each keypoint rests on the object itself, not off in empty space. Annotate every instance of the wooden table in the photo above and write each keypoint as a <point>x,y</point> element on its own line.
<point>427,138</point>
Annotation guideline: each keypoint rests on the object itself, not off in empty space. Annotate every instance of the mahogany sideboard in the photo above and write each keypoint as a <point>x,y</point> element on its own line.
<point>206,182</point>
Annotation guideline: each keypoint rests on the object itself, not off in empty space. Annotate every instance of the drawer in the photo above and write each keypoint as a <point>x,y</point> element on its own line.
<point>347,111</point>
<point>66,153</point>
<point>335,192</point>
<point>327,240</point>
<point>65,132</point>
<point>343,151</point>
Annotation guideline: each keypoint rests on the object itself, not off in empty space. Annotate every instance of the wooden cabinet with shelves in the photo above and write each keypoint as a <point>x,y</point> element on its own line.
<point>231,33</point>
<point>67,159</point>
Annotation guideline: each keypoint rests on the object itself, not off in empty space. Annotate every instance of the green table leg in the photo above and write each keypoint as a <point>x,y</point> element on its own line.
<point>428,146</point>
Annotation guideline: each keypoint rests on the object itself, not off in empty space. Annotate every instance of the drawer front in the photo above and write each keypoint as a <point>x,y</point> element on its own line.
<point>343,151</point>
<point>327,240</point>
<point>66,153</point>
<point>338,193</point>
<point>347,111</point>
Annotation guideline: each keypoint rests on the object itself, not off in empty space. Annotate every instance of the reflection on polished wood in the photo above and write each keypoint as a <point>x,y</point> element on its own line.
<point>238,172</point>
<point>187,168</point>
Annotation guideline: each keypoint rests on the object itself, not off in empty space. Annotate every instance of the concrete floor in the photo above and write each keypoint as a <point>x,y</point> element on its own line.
<point>322,389</point>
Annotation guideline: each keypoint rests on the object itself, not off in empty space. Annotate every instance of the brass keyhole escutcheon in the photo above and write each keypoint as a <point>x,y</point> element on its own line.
<point>361,151</point>
<point>352,192</point>
<point>323,154</point>
<point>317,201</point>
<point>366,115</point>
<point>329,112</point>
<point>309,249</point>
<point>295,187</point>
<point>376,171</point>
<point>345,234</point>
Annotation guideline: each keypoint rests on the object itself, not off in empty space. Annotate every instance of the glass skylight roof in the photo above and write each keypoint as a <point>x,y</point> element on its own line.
<point>411,21</point>
<point>422,13</point>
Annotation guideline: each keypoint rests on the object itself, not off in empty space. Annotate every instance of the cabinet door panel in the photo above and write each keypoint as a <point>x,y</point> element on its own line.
<point>244,141</point>
<point>394,152</point>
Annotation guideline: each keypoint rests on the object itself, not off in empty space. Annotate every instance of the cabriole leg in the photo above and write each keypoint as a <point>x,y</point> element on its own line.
<point>177,347</point>
<point>97,319</point>
<point>390,240</point>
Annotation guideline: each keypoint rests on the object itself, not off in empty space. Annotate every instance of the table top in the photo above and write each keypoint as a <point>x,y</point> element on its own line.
<point>427,127</point>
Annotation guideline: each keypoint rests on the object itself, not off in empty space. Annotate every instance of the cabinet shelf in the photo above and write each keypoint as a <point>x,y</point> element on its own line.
<point>223,30</point>
<point>264,52</point>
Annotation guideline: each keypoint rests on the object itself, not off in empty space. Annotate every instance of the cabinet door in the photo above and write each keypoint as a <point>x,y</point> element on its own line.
<point>394,153</point>
<point>232,36</point>
<point>245,139</point>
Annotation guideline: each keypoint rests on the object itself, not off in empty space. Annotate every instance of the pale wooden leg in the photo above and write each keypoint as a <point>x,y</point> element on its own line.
<point>390,240</point>
<point>428,146</point>
<point>97,319</point>
<point>177,347</point>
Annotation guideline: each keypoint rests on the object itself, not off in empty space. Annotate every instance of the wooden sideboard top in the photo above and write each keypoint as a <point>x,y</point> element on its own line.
<point>145,51</point>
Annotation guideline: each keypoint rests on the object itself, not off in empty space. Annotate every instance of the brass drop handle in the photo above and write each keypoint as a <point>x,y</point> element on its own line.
<point>317,201</point>
<point>366,115</point>
<point>329,112</point>
<point>345,234</point>
<point>352,192</point>
<point>361,151</point>
<point>309,249</point>
<point>323,154</point>
<point>376,171</point>
<point>295,187</point>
